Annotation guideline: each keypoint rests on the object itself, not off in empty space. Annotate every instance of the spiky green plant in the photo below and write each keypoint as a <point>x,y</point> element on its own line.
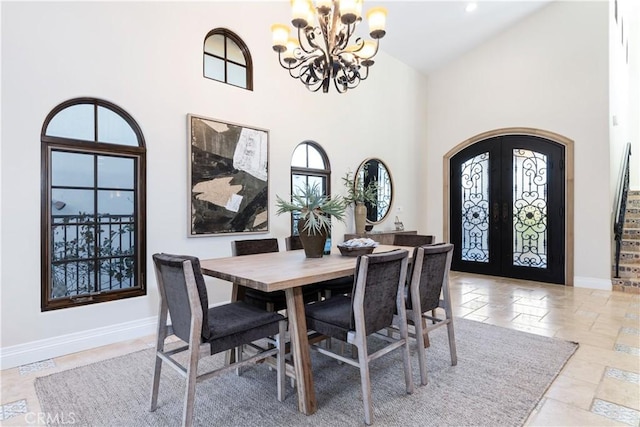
<point>314,207</point>
<point>357,192</point>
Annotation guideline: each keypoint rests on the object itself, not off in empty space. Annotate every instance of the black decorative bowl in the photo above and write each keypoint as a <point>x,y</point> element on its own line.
<point>355,250</point>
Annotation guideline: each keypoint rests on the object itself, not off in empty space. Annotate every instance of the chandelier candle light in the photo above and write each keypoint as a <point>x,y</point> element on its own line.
<point>322,52</point>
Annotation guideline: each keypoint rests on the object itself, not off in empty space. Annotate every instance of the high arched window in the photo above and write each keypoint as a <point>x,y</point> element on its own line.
<point>93,204</point>
<point>227,59</point>
<point>309,166</point>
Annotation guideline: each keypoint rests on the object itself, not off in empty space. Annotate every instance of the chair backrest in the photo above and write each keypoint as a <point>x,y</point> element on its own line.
<point>254,246</point>
<point>172,280</point>
<point>431,265</point>
<point>379,282</point>
<point>412,239</point>
<point>293,243</point>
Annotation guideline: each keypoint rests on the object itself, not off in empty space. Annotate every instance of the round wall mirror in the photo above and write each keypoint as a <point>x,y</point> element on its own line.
<point>375,171</point>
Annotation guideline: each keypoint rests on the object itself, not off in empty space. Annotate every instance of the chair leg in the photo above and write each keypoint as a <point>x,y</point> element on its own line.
<point>452,343</point>
<point>419,324</point>
<point>160,337</point>
<point>365,379</point>
<point>426,342</point>
<point>190,389</point>
<point>156,384</point>
<point>238,358</point>
<point>404,334</point>
<point>280,359</point>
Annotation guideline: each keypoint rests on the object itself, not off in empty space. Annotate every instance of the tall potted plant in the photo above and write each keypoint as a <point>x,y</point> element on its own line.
<point>358,194</point>
<point>315,210</point>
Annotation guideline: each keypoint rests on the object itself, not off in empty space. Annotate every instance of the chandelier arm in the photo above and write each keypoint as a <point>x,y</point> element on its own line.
<point>309,41</point>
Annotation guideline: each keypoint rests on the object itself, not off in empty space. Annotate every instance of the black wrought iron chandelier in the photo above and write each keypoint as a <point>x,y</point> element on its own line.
<point>323,52</point>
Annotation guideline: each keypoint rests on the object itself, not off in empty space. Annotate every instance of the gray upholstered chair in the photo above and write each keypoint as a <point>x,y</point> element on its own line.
<point>270,301</point>
<point>429,290</point>
<point>327,288</point>
<point>412,239</point>
<point>207,331</point>
<point>378,293</point>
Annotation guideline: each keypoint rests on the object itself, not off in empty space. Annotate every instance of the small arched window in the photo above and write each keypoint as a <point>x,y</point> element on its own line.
<point>227,59</point>
<point>309,166</point>
<point>93,204</point>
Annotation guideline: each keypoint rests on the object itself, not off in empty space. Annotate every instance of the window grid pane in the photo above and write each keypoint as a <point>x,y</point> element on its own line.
<point>214,45</point>
<point>214,68</point>
<point>92,242</point>
<point>234,53</point>
<point>236,75</point>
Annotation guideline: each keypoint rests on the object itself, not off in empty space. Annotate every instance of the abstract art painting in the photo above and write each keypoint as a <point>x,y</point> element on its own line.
<point>228,177</point>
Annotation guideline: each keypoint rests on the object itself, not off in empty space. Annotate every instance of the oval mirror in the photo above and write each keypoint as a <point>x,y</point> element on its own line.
<point>375,171</point>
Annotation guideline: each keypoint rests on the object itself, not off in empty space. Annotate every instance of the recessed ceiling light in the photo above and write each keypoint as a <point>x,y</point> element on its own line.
<point>471,6</point>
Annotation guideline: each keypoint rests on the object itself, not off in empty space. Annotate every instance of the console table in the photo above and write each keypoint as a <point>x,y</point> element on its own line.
<point>382,237</point>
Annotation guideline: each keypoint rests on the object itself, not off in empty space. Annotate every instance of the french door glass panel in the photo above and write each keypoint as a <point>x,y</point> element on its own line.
<point>474,177</point>
<point>529,209</point>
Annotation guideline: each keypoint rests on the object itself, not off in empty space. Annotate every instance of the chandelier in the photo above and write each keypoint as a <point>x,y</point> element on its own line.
<point>323,52</point>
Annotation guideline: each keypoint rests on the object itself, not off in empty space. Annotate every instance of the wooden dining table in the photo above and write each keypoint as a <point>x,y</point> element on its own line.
<point>288,271</point>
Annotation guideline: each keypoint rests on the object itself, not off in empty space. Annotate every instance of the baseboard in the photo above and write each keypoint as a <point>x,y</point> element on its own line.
<point>592,283</point>
<point>35,351</point>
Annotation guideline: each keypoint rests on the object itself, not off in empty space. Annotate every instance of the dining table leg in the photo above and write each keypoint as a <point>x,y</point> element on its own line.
<point>300,349</point>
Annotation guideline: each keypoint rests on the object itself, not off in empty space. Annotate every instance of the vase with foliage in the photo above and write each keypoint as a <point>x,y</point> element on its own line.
<point>314,221</point>
<point>360,195</point>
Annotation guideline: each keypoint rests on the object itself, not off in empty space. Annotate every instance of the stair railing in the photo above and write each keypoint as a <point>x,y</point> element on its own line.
<point>620,205</point>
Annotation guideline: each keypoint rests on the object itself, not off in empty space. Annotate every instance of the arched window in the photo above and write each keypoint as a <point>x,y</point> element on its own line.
<point>227,59</point>
<point>309,166</point>
<point>93,204</point>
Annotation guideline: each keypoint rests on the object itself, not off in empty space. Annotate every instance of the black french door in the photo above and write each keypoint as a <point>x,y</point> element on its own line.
<point>507,201</point>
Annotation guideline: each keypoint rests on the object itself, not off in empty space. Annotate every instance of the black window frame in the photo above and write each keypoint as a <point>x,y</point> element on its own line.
<point>49,144</point>
<point>228,34</point>
<point>325,174</point>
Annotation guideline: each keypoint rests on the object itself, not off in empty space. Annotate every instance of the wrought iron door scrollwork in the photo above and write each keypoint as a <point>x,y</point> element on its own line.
<point>529,209</point>
<point>475,209</point>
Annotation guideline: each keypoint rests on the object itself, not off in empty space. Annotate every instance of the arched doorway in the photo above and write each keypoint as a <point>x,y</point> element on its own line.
<point>508,203</point>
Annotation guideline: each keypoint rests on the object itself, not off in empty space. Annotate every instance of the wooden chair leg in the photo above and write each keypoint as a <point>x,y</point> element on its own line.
<point>419,324</point>
<point>156,384</point>
<point>280,359</point>
<point>238,359</point>
<point>365,379</point>
<point>426,342</point>
<point>452,343</point>
<point>190,389</point>
<point>160,337</point>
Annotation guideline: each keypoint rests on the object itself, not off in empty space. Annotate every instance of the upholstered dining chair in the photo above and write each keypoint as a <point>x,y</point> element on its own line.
<point>429,290</point>
<point>412,239</point>
<point>327,288</point>
<point>271,301</point>
<point>378,293</point>
<point>208,331</point>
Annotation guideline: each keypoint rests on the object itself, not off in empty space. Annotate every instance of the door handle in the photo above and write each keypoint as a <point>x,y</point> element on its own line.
<point>505,212</point>
<point>495,214</point>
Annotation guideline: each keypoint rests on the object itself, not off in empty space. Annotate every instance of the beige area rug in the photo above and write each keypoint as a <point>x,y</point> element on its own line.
<point>500,377</point>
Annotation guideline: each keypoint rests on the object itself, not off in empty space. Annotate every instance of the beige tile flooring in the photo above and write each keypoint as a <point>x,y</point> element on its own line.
<point>599,386</point>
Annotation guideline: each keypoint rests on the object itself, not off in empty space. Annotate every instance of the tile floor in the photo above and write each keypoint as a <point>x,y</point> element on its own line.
<point>599,386</point>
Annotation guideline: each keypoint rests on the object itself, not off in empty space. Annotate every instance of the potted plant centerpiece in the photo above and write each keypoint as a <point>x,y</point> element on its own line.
<point>315,210</point>
<point>358,194</point>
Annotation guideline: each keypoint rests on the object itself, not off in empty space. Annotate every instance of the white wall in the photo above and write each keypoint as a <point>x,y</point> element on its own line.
<point>549,72</point>
<point>146,57</point>
<point>624,119</point>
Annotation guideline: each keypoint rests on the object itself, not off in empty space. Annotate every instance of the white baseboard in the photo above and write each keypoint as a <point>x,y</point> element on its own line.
<point>592,283</point>
<point>48,348</point>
